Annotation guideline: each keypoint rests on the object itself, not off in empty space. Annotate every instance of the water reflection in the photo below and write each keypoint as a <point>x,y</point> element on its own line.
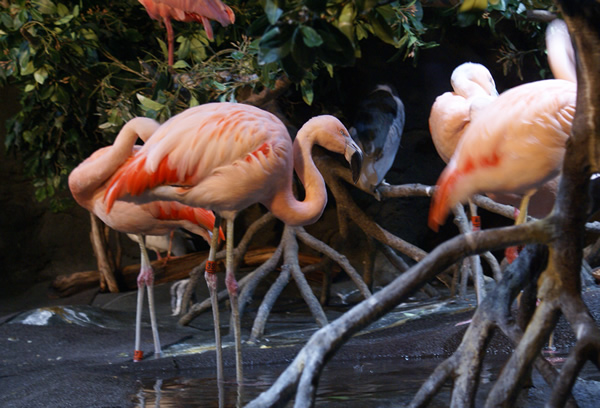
<point>373,384</point>
<point>361,384</point>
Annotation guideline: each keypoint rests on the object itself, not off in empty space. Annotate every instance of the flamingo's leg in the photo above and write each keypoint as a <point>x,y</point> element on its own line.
<point>232,288</point>
<point>170,39</point>
<point>146,279</point>
<point>138,354</point>
<point>211,281</point>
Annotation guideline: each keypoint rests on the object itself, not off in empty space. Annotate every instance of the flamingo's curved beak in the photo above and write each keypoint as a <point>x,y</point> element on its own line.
<point>354,156</point>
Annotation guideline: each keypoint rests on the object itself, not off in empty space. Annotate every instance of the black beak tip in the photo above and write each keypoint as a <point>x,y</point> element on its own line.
<point>356,166</point>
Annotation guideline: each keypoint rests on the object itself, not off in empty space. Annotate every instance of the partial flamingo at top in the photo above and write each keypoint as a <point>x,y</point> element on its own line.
<point>201,11</point>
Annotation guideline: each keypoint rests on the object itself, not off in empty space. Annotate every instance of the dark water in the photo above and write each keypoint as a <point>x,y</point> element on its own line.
<point>384,383</point>
<point>375,384</point>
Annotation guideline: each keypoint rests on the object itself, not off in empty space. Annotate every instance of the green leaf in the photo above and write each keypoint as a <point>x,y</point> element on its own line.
<point>310,36</point>
<point>149,103</point>
<point>308,94</point>
<point>163,47</point>
<point>29,87</point>
<point>381,28</point>
<point>6,21</point>
<point>272,11</point>
<point>45,6</point>
<point>64,20</point>
<point>301,53</point>
<point>365,5</point>
<point>62,10</point>
<point>180,64</point>
<point>274,45</point>
<point>336,48</point>
<point>29,69</point>
<point>40,75</point>
<point>346,20</point>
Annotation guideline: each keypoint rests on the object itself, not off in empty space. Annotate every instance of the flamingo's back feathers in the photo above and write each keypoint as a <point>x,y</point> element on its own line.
<point>209,154</point>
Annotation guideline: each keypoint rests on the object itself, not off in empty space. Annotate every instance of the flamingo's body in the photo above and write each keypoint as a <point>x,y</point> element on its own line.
<point>378,130</point>
<point>88,183</point>
<point>225,157</point>
<point>201,11</point>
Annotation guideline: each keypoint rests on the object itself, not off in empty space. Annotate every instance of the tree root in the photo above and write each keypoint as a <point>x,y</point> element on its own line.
<point>288,248</point>
<point>303,373</point>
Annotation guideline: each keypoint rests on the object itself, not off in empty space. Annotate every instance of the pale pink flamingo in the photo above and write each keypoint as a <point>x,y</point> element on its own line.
<point>226,157</point>
<point>473,88</point>
<point>201,11</point>
<point>513,145</point>
<point>88,183</point>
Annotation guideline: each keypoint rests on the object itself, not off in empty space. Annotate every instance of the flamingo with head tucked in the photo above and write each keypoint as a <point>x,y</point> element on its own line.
<point>88,183</point>
<point>473,89</point>
<point>225,157</point>
<point>515,144</point>
<point>201,11</point>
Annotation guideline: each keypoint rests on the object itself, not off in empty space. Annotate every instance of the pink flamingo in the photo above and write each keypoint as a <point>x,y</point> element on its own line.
<point>513,145</point>
<point>451,113</point>
<point>473,88</point>
<point>201,11</point>
<point>225,157</point>
<point>88,183</point>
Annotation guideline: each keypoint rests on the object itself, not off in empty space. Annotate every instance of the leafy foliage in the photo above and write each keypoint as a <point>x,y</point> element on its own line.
<point>84,68</point>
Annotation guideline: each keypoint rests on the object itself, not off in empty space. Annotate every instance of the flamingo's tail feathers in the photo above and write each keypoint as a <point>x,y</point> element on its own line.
<point>133,178</point>
<point>440,203</point>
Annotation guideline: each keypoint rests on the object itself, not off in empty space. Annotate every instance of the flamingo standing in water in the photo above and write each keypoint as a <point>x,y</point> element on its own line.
<point>513,145</point>
<point>201,11</point>
<point>88,183</point>
<point>226,157</point>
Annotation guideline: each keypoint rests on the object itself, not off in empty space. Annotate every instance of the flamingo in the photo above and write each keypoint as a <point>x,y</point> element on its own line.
<point>473,88</point>
<point>515,144</point>
<point>201,11</point>
<point>226,157</point>
<point>378,130</point>
<point>88,183</point>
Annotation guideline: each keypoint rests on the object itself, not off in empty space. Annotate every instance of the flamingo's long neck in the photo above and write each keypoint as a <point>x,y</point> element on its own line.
<point>90,175</point>
<point>285,205</point>
<point>561,55</point>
